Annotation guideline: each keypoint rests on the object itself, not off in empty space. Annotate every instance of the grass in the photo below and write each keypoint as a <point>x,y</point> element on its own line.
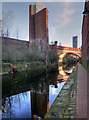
<point>85,64</point>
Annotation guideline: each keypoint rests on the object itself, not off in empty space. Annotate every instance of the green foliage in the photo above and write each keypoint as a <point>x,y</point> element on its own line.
<point>68,59</point>
<point>53,57</point>
<point>20,53</point>
<point>85,64</point>
<point>32,54</point>
<point>17,53</point>
<point>12,54</point>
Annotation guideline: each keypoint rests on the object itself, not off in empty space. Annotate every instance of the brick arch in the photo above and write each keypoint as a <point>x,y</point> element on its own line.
<point>61,55</point>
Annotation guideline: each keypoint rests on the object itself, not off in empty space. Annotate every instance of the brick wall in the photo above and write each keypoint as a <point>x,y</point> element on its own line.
<point>41,29</point>
<point>38,28</point>
<point>85,35</point>
<point>14,42</point>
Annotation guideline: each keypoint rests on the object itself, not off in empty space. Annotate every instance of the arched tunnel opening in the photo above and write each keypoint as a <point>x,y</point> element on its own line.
<point>69,61</point>
<point>71,58</point>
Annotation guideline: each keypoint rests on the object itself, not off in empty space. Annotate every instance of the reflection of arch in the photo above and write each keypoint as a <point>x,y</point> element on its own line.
<point>63,74</point>
<point>61,56</point>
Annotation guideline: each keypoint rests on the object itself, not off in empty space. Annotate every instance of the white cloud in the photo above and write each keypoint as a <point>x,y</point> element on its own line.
<point>53,30</point>
<point>54,91</point>
<point>64,18</point>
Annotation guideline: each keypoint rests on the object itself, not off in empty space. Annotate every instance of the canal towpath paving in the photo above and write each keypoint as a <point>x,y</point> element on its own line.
<point>82,109</point>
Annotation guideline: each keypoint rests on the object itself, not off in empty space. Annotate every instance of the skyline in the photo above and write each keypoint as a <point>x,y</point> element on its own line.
<point>60,30</point>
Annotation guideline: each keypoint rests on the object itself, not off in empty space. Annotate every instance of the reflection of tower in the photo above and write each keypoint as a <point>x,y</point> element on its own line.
<point>40,101</point>
<point>62,74</point>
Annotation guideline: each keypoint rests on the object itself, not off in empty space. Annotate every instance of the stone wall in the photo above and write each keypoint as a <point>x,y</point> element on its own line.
<point>14,42</point>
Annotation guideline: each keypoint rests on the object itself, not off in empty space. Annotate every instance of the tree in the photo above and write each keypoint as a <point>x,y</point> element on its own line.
<point>17,34</point>
<point>1,27</point>
<point>53,57</point>
<point>7,20</point>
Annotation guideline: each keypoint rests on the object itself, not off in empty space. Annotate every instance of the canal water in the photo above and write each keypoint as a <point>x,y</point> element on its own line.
<point>28,96</point>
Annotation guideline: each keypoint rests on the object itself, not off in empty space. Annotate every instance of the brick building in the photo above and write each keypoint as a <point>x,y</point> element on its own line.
<point>38,29</point>
<point>85,33</point>
<point>38,26</point>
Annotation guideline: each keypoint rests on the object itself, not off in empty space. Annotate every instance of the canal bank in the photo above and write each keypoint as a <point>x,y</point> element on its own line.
<point>85,64</point>
<point>72,101</point>
<point>64,105</point>
<point>28,66</point>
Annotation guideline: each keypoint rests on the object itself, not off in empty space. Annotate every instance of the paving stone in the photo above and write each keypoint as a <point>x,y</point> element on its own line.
<point>67,112</point>
<point>72,116</point>
<point>64,94</point>
<point>66,87</point>
<point>72,112</point>
<point>66,117</point>
<point>64,91</point>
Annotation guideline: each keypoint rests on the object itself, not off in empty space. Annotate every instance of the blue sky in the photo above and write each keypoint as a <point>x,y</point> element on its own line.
<point>65,20</point>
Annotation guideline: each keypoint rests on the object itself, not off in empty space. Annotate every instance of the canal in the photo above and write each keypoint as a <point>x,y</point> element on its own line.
<point>28,96</point>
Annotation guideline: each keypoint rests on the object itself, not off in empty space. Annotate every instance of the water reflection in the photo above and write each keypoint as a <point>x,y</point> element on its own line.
<point>17,106</point>
<point>28,96</point>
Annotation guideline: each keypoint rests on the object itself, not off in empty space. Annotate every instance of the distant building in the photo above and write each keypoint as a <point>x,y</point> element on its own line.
<point>75,41</point>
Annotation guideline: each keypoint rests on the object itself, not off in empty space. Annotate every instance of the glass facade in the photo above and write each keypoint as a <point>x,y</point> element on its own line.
<point>75,41</point>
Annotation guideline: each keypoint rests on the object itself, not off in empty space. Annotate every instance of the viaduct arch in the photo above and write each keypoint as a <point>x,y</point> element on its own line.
<point>63,54</point>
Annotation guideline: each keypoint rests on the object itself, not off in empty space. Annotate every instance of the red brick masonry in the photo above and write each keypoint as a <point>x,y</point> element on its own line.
<point>82,95</point>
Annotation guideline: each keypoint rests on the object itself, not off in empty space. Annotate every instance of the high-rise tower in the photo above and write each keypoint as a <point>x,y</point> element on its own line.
<point>75,41</point>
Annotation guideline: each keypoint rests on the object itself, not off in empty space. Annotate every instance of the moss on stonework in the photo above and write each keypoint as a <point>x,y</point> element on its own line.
<point>85,64</point>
